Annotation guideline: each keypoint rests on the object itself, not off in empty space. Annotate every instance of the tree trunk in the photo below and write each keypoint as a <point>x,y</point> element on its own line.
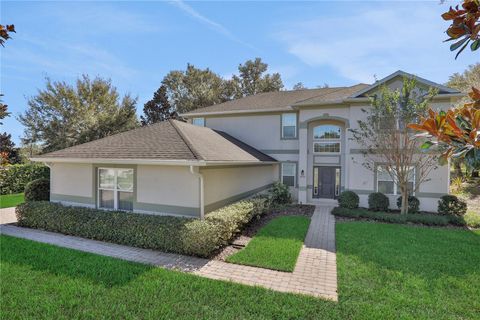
<point>404,207</point>
<point>458,168</point>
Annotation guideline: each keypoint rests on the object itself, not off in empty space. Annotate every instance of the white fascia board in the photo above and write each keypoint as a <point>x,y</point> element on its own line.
<point>215,113</point>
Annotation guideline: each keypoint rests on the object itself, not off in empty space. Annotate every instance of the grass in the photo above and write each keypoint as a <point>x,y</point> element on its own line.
<point>384,272</point>
<point>275,246</point>
<point>11,200</point>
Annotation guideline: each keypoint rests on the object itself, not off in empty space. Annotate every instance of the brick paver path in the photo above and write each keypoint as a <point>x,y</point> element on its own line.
<point>315,272</point>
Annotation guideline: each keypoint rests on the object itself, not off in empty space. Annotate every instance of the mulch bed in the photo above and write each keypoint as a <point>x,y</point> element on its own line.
<point>252,228</point>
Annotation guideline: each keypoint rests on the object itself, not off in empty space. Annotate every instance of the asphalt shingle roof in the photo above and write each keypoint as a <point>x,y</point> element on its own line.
<point>281,99</point>
<point>167,140</point>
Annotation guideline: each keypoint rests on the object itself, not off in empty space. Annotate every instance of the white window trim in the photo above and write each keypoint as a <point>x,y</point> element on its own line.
<point>395,186</point>
<point>283,125</point>
<point>199,118</point>
<point>327,140</point>
<point>286,175</point>
<point>115,188</point>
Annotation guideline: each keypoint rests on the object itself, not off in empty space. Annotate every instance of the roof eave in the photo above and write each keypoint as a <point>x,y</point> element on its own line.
<point>214,113</point>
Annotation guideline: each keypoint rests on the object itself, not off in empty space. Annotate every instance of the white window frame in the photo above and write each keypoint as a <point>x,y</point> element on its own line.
<point>294,173</point>
<point>327,141</point>
<point>395,185</point>
<point>202,119</point>
<point>283,125</point>
<point>115,187</point>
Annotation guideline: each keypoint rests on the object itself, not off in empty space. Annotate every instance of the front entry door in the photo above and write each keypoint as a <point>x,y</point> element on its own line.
<point>326,182</point>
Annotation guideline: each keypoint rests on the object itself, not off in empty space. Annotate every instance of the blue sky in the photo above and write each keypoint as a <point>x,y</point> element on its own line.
<point>137,43</point>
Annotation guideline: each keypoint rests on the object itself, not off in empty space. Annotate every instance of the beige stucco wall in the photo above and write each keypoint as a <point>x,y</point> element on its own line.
<point>165,186</point>
<point>226,185</point>
<point>71,183</point>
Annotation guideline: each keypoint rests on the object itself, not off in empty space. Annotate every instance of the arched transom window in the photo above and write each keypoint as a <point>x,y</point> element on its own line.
<point>326,138</point>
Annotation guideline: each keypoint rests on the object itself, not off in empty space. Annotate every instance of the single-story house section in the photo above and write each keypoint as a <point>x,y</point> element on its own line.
<point>171,167</point>
<point>234,149</point>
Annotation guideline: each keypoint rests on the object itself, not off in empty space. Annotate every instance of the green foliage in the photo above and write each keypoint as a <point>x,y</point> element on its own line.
<point>63,115</point>
<point>377,201</point>
<point>348,199</point>
<point>14,178</point>
<point>426,219</point>
<point>276,246</point>
<point>8,153</point>
<point>413,204</point>
<point>280,194</point>
<point>158,109</point>
<point>451,205</point>
<point>169,234</point>
<point>38,190</point>
<point>472,219</point>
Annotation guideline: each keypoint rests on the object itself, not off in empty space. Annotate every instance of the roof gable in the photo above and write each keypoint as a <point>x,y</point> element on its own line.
<point>400,74</point>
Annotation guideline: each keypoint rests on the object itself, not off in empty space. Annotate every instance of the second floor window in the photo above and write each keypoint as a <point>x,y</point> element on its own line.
<point>289,125</point>
<point>326,139</point>
<point>198,122</point>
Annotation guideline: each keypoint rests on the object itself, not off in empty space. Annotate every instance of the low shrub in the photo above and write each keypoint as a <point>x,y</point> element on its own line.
<point>472,219</point>
<point>451,205</point>
<point>280,194</point>
<point>426,219</point>
<point>165,233</point>
<point>377,201</point>
<point>38,190</point>
<point>413,204</point>
<point>348,199</point>
<point>14,178</point>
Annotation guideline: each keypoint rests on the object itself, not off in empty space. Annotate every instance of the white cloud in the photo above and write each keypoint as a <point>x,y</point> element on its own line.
<point>212,24</point>
<point>376,42</point>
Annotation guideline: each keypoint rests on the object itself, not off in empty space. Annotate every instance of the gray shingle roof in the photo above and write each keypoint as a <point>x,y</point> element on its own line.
<point>280,99</point>
<point>167,140</point>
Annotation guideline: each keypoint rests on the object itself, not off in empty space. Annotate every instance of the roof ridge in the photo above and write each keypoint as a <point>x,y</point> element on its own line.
<point>186,140</point>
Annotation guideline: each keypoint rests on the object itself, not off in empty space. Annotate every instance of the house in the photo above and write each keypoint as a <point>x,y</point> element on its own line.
<point>234,149</point>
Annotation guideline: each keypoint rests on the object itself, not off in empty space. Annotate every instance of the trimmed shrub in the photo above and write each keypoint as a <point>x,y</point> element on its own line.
<point>38,190</point>
<point>165,233</point>
<point>413,204</point>
<point>451,205</point>
<point>14,178</point>
<point>377,201</point>
<point>280,194</point>
<point>426,219</point>
<point>348,199</point>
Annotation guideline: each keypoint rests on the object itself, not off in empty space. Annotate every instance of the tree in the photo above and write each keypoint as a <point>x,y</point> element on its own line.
<point>5,32</point>
<point>193,88</point>
<point>385,137</point>
<point>8,153</point>
<point>464,26</point>
<point>253,79</point>
<point>299,86</point>
<point>63,115</point>
<point>158,109</point>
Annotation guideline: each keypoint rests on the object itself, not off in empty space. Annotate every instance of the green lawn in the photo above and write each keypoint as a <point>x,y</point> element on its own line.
<point>275,246</point>
<point>384,272</point>
<point>11,200</point>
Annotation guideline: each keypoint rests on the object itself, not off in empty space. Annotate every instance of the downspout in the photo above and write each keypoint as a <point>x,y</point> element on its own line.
<point>202,205</point>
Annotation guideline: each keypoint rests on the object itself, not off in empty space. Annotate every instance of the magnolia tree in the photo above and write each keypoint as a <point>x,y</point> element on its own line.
<point>385,138</point>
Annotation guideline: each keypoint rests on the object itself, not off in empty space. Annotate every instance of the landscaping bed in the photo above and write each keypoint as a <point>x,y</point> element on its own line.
<point>428,219</point>
<point>169,234</point>
<point>276,246</point>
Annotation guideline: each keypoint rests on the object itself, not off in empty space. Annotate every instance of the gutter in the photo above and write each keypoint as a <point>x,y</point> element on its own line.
<point>202,200</point>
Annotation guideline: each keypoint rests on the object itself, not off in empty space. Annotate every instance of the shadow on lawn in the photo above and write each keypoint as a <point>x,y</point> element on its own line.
<point>427,252</point>
<point>73,264</point>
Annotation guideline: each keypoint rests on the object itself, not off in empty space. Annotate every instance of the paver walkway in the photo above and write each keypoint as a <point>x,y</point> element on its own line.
<point>315,272</point>
<point>7,215</point>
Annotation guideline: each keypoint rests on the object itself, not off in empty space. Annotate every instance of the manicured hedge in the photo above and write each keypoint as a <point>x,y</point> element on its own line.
<point>377,201</point>
<point>14,178</point>
<point>348,199</point>
<point>38,190</point>
<point>169,234</point>
<point>421,218</point>
<point>451,205</point>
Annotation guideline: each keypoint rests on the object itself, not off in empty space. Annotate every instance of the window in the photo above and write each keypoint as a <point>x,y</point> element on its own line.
<point>289,170</point>
<point>326,139</point>
<point>386,185</point>
<point>115,188</point>
<point>289,126</point>
<point>198,122</point>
